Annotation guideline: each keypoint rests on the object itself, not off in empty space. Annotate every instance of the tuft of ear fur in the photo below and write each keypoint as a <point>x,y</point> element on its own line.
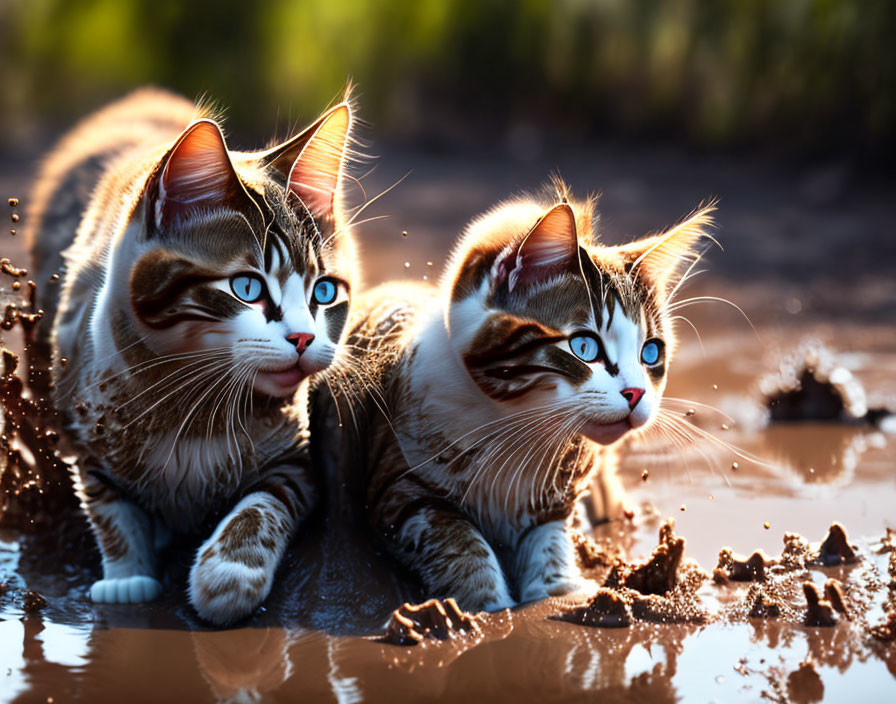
<point>550,245</point>
<point>198,175</point>
<point>658,260</point>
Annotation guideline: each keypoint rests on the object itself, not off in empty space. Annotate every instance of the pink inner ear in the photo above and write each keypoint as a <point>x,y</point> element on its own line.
<point>199,168</point>
<point>314,177</point>
<point>550,244</point>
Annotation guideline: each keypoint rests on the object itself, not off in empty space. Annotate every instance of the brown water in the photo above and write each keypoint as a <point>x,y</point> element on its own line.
<point>311,640</point>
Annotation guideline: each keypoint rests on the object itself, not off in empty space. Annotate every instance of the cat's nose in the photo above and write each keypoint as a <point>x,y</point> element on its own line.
<point>632,395</point>
<point>301,340</point>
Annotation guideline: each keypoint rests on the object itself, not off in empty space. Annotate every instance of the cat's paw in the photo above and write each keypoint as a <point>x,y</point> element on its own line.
<point>125,590</point>
<point>559,585</point>
<point>223,592</point>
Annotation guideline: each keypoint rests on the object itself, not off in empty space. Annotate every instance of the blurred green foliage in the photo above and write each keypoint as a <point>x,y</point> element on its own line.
<point>815,73</point>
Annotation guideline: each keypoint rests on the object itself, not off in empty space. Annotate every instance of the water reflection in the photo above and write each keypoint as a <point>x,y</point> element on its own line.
<point>244,664</point>
<point>810,453</point>
<point>818,453</point>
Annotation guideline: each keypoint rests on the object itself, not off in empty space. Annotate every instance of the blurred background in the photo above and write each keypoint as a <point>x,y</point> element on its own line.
<point>785,110</point>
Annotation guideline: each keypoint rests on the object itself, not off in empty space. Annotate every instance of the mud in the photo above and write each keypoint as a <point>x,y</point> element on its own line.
<point>821,611</point>
<point>836,550</point>
<point>741,569</point>
<point>656,575</point>
<point>442,619</point>
<point>35,477</point>
<point>812,384</point>
<point>761,606</point>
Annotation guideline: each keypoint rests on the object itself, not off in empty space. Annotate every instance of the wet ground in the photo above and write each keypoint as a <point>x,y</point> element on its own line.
<point>810,254</point>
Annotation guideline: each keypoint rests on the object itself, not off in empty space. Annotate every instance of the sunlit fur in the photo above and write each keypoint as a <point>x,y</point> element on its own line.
<point>177,393</point>
<point>480,428</point>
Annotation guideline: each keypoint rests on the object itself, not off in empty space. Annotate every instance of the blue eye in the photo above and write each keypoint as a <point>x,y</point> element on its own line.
<point>325,291</point>
<point>585,346</point>
<point>247,287</point>
<point>652,352</point>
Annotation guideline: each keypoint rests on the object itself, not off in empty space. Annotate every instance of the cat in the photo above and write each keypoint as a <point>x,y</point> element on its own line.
<point>483,409</point>
<point>201,289</point>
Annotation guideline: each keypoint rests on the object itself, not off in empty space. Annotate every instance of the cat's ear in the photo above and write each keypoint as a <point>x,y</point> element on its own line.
<point>312,162</point>
<point>659,260</point>
<point>549,247</point>
<point>197,176</point>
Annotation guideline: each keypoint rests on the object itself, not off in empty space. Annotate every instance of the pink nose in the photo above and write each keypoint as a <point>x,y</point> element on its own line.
<point>632,395</point>
<point>301,340</point>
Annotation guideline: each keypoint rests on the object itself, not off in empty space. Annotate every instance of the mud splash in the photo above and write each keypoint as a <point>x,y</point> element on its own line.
<point>35,479</point>
<point>812,384</point>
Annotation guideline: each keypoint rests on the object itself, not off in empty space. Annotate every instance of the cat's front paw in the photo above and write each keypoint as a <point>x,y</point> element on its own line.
<point>223,592</point>
<point>125,590</point>
<point>558,585</point>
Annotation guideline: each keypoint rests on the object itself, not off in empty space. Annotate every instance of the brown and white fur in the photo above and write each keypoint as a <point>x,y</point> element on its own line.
<point>483,428</point>
<point>185,399</point>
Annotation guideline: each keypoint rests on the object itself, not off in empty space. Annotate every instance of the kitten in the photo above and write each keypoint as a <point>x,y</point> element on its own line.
<point>201,289</point>
<point>491,404</point>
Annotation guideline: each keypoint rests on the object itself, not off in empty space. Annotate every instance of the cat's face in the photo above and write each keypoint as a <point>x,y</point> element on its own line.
<point>244,270</point>
<point>576,334</point>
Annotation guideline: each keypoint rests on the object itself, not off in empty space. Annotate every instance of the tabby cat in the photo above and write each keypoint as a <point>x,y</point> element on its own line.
<point>491,404</point>
<point>201,289</point>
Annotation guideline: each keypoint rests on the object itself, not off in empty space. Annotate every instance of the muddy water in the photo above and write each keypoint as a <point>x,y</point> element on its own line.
<point>309,641</point>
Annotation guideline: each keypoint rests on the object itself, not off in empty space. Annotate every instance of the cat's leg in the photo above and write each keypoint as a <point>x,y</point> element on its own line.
<point>124,533</point>
<point>234,568</point>
<point>453,559</point>
<point>545,563</point>
<point>606,499</point>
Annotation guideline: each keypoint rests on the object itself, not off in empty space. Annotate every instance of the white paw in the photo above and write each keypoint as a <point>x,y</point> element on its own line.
<point>125,590</point>
<point>223,592</point>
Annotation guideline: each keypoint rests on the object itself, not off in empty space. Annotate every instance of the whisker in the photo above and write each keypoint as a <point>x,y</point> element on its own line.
<point>707,299</point>
<point>694,328</point>
<point>689,402</point>
<point>742,454</point>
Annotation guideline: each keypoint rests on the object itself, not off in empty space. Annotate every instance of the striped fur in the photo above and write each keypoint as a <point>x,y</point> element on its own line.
<point>479,427</point>
<point>186,400</point>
